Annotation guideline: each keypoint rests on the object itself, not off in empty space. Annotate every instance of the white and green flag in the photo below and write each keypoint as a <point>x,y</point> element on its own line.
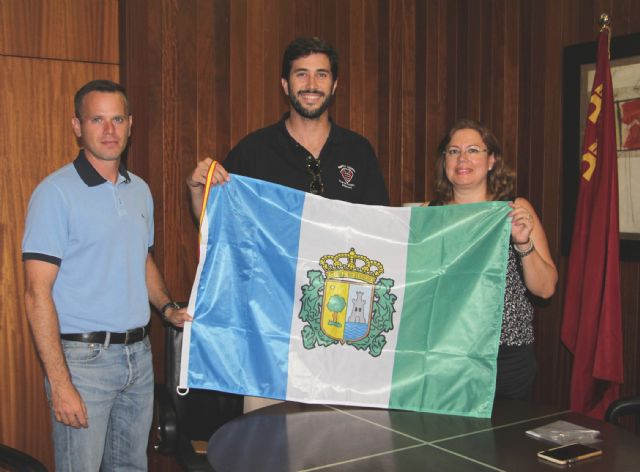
<point>302,298</point>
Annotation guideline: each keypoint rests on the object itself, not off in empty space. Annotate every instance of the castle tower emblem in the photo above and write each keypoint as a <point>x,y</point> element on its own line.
<point>348,302</point>
<point>348,298</point>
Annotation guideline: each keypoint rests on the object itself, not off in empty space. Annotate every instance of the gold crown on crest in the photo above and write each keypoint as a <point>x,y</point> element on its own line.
<point>351,266</point>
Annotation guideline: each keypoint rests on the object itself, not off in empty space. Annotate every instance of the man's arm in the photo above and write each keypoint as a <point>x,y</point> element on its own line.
<point>159,295</point>
<point>67,404</point>
<point>198,179</point>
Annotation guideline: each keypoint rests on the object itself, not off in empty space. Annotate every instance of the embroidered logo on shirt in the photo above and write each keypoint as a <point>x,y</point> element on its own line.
<point>347,173</point>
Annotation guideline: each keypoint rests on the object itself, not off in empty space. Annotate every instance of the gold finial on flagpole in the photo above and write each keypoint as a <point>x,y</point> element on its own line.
<point>604,25</point>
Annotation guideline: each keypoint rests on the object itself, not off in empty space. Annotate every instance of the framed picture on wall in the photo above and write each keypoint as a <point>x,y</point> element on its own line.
<point>579,70</point>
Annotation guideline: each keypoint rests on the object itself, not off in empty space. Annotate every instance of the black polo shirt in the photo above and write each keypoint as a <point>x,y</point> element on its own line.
<point>348,164</point>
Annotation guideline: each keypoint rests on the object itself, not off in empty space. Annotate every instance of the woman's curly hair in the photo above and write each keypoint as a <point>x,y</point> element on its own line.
<point>500,180</point>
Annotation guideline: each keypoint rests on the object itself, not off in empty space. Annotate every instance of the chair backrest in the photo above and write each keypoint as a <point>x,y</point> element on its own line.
<point>622,407</point>
<point>12,459</point>
<point>201,412</point>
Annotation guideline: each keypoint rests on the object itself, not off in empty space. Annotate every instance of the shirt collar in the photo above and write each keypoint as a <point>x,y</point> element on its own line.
<point>334,132</point>
<point>90,176</point>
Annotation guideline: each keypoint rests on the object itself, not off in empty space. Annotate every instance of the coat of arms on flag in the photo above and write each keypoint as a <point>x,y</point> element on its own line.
<point>349,304</point>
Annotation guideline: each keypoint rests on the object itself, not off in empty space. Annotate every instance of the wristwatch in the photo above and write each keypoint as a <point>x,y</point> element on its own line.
<point>164,309</point>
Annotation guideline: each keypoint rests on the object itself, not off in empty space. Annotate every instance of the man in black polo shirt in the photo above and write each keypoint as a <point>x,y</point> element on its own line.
<point>305,150</point>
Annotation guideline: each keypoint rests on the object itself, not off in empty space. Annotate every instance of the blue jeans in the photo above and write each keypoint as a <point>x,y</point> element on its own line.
<point>116,383</point>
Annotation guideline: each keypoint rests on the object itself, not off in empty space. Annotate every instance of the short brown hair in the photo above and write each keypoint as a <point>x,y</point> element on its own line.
<point>100,85</point>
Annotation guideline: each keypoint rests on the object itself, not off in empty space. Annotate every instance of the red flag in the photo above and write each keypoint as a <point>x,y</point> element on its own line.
<point>591,325</point>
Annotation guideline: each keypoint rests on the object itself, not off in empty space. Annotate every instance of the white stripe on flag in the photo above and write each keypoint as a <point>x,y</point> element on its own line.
<point>319,373</point>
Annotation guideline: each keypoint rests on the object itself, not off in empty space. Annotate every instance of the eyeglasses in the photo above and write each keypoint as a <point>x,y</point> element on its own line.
<point>471,151</point>
<point>313,167</point>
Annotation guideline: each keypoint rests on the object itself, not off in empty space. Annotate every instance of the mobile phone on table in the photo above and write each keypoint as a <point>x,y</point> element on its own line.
<point>569,453</point>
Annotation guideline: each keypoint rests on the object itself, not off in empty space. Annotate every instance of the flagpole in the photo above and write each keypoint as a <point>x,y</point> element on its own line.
<point>605,23</point>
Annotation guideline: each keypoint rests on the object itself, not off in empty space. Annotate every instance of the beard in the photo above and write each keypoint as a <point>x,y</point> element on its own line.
<point>305,112</point>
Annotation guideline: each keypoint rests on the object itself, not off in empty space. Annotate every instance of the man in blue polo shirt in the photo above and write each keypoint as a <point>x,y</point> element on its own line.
<point>89,279</point>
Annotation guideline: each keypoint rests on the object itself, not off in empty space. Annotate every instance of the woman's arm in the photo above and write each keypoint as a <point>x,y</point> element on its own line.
<point>540,273</point>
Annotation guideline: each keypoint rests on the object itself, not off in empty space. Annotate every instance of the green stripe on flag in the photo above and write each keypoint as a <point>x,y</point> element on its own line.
<point>452,314</point>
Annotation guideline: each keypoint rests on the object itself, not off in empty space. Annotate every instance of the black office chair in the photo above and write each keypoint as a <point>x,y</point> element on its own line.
<point>623,407</point>
<point>185,423</point>
<point>13,460</point>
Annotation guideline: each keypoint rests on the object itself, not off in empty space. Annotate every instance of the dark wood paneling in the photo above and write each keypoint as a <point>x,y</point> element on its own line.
<point>36,98</point>
<point>272,101</point>
<point>355,57</point>
<point>342,38</point>
<point>237,70</point>
<point>369,76</point>
<point>214,82</point>
<point>426,67</point>
<point>406,163</point>
<point>257,44</point>
<point>71,30</point>
<point>510,63</point>
<point>630,289</point>
<point>393,171</point>
<point>48,49</point>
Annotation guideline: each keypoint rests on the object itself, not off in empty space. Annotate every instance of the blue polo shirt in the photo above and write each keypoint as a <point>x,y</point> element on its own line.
<point>99,234</point>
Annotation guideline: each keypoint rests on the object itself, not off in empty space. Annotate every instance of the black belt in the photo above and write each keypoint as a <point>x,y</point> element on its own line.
<point>131,336</point>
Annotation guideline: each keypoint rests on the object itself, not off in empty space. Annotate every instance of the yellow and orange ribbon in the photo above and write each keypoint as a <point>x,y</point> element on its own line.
<point>207,188</point>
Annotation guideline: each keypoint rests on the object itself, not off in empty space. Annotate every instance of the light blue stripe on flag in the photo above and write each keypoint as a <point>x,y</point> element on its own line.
<point>241,261</point>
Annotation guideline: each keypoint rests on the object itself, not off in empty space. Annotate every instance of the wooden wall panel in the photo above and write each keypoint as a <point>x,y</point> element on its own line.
<point>368,77</point>
<point>356,69</point>
<point>510,63</point>
<point>335,27</point>
<point>72,30</point>
<point>405,165</point>
<point>48,49</point>
<point>36,138</point>
<point>163,145</point>
<point>436,86</point>
<point>255,66</point>
<point>394,70</point>
<point>383,99</point>
<point>238,85</point>
<point>532,162</point>
<point>272,101</point>
<point>222,61</point>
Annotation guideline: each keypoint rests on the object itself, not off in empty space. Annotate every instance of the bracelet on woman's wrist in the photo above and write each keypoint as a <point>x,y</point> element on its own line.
<point>524,252</point>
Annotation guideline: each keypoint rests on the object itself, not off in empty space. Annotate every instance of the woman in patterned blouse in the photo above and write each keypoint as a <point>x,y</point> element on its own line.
<point>470,169</point>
